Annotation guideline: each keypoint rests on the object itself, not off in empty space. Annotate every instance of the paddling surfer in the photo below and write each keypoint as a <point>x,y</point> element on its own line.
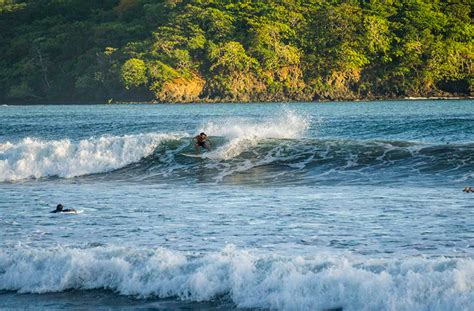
<point>202,141</point>
<point>60,209</point>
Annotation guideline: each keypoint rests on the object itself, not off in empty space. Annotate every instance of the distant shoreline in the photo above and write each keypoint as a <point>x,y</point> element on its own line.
<point>366,100</point>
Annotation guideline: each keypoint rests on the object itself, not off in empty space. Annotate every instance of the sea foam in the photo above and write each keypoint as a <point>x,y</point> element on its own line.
<point>35,158</point>
<point>252,280</point>
<point>242,135</point>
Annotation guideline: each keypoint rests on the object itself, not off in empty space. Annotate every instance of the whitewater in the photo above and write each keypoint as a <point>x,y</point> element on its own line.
<point>336,206</point>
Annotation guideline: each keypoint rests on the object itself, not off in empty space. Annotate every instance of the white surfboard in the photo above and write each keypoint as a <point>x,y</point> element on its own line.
<point>72,212</point>
<point>191,155</point>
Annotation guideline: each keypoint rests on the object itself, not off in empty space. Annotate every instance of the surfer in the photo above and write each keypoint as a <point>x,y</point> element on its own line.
<point>202,141</point>
<point>468,189</point>
<point>60,209</point>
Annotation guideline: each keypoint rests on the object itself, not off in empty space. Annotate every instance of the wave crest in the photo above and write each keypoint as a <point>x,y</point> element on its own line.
<point>35,158</point>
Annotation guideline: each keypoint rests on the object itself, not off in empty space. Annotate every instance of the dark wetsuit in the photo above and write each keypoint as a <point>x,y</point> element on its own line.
<point>201,142</point>
<point>64,211</point>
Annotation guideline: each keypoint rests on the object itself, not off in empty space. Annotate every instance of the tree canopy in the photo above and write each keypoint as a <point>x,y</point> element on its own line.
<point>223,50</point>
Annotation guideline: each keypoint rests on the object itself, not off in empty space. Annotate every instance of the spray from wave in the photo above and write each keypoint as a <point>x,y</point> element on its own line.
<point>250,280</point>
<point>35,158</point>
<point>243,135</point>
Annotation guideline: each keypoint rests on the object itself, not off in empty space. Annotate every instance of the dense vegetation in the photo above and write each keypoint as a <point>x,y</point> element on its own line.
<point>223,50</point>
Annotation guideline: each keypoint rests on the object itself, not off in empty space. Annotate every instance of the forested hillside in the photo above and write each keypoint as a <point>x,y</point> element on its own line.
<point>259,50</point>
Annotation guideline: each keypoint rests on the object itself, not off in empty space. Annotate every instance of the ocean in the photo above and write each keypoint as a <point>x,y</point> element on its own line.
<point>301,206</point>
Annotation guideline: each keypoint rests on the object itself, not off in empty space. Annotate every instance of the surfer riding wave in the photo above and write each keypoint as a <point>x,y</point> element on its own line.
<point>202,141</point>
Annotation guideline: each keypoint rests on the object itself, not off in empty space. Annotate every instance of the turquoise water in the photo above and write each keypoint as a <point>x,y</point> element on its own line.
<point>353,206</point>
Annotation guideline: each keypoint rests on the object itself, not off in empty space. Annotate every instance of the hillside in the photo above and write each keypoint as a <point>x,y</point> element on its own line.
<point>263,50</point>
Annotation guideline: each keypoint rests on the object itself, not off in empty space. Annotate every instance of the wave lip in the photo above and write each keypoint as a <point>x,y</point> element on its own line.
<point>36,158</point>
<point>243,135</point>
<point>253,281</point>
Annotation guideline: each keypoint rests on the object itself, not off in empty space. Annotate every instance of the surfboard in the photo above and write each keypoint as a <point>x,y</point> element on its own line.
<point>69,213</point>
<point>192,155</point>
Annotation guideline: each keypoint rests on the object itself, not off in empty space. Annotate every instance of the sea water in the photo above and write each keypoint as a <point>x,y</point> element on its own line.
<point>335,206</point>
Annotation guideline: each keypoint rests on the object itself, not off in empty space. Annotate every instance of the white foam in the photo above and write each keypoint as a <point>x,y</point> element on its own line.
<point>243,134</point>
<point>250,280</point>
<point>35,158</point>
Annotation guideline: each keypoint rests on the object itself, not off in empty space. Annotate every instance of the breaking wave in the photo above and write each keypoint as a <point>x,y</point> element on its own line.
<point>294,160</point>
<point>242,135</point>
<point>268,151</point>
<point>249,280</point>
<point>35,158</point>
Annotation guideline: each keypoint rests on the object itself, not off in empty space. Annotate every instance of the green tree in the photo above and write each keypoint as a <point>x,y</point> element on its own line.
<point>233,72</point>
<point>133,73</point>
